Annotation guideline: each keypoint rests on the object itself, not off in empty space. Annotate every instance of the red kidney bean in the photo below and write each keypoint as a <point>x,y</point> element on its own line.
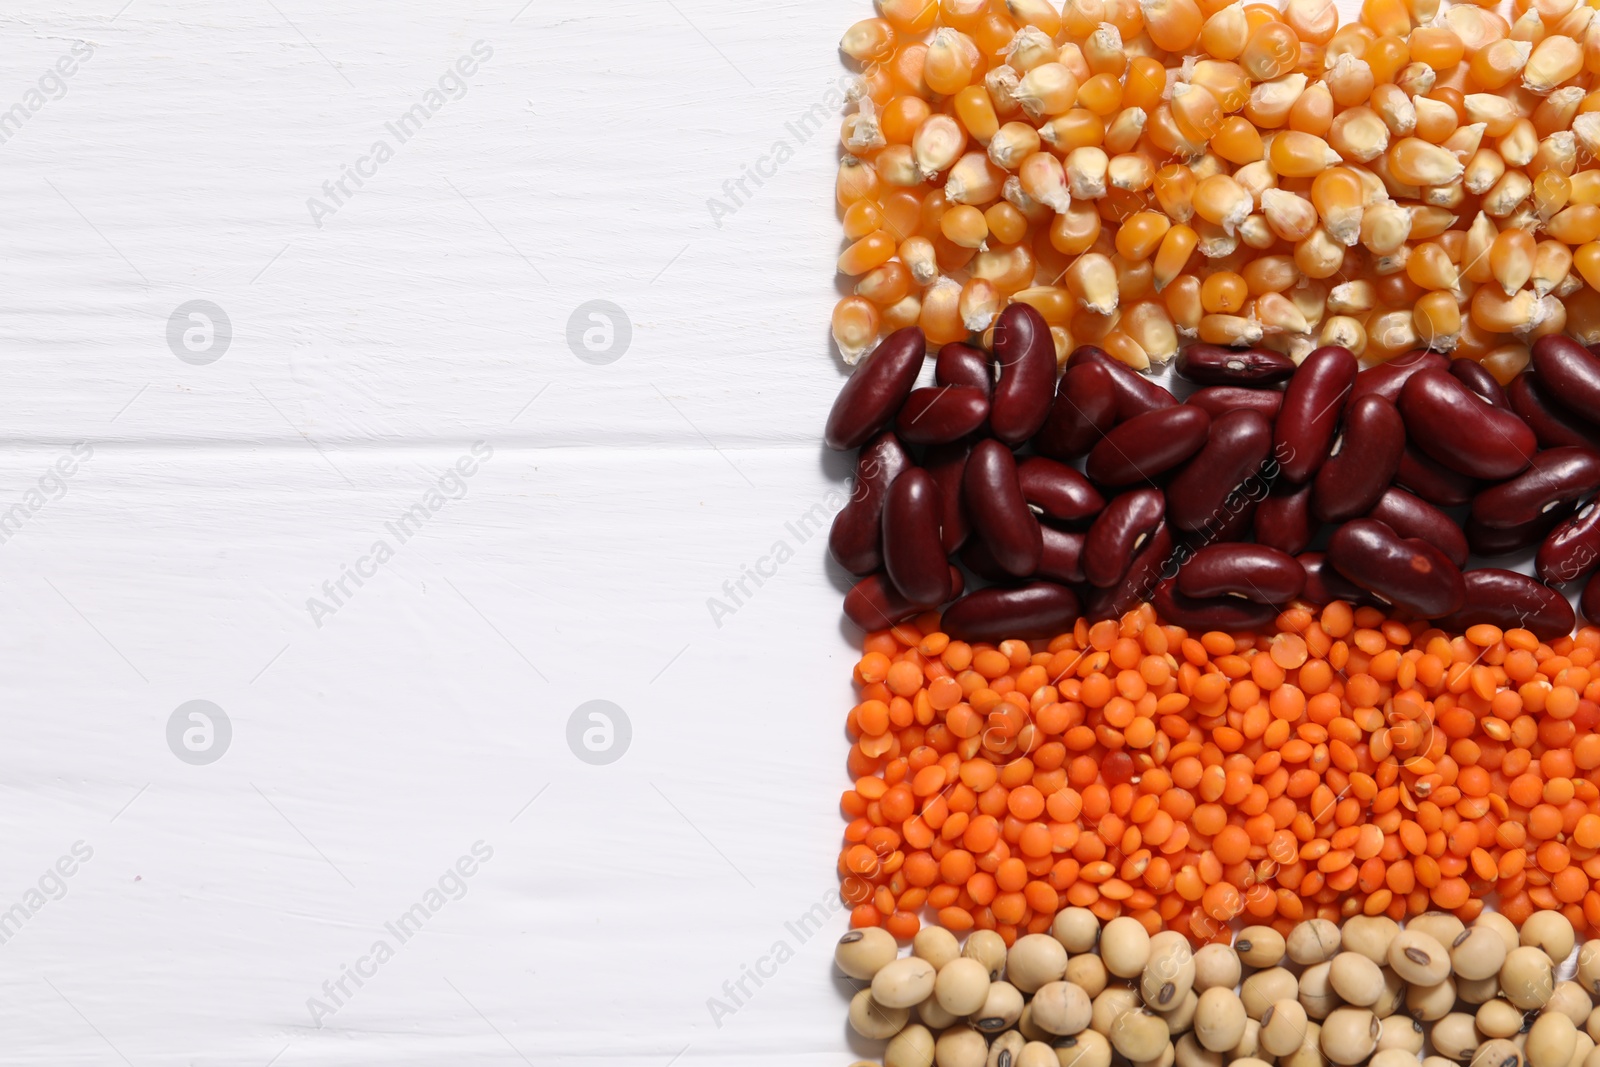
<point>1387,379</point>
<point>874,603</point>
<point>1589,602</point>
<point>997,508</point>
<point>1511,600</point>
<point>876,390</point>
<point>947,463</point>
<point>1432,481</point>
<point>1025,612</point>
<point>913,555</point>
<point>1573,548</point>
<point>1557,477</point>
<point>1235,450</point>
<point>1206,364</point>
<point>1503,541</point>
<point>1462,430</point>
<point>1312,404</point>
<point>1363,461</point>
<point>1257,573</point>
<point>1057,490</point>
<point>1552,424</point>
<point>1411,516</point>
<point>1227,613</point>
<point>1084,409</point>
<point>1404,571</point>
<point>1147,445</point>
<point>1475,376</point>
<point>1118,534</point>
<point>1283,520</point>
<point>1154,562</point>
<point>940,414</point>
<point>980,561</point>
<point>963,365</point>
<point>1571,374</point>
<point>1324,585</point>
<point>1220,399</point>
<point>1026,354</point>
<point>1063,555</point>
<point>856,539</point>
<point>1136,394</point>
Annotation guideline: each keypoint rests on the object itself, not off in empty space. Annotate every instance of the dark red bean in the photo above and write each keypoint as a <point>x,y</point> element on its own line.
<point>1147,445</point>
<point>1084,409</point>
<point>1589,603</point>
<point>1059,492</point>
<point>940,414</point>
<point>1432,481</point>
<point>1570,372</point>
<point>877,389</point>
<point>977,558</point>
<point>875,604</point>
<point>1154,562</point>
<point>1324,585</point>
<point>1403,571</point>
<point>1462,430</point>
<point>997,508</point>
<point>1238,514</point>
<point>1118,535</point>
<point>1226,613</point>
<point>947,463</point>
<point>1573,548</point>
<point>1552,424</point>
<point>1411,516</point>
<point>1511,600</point>
<point>856,539</point>
<point>1475,376</point>
<point>1026,354</point>
<point>1387,379</point>
<point>1026,612</point>
<point>1557,478</point>
<point>1206,364</point>
<point>1503,541</point>
<point>1235,452</point>
<point>1283,520</point>
<point>1312,404</point>
<point>1063,555</point>
<point>1363,461</point>
<point>1136,394</point>
<point>963,365</point>
<point>913,555</point>
<point>1221,399</point>
<point>1255,572</point>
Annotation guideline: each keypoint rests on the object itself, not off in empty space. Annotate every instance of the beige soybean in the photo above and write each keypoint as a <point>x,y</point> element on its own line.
<point>1551,1040</point>
<point>1283,1027</point>
<point>1125,946</point>
<point>962,986</point>
<point>1591,1025</point>
<point>874,1021</point>
<point>1588,974</point>
<point>933,1014</point>
<point>1349,1036</point>
<point>1355,978</point>
<point>1088,1049</point>
<point>1264,988</point>
<point>1480,991</point>
<point>989,949</point>
<point>1111,1005</point>
<point>1418,958</point>
<point>1036,1054</point>
<point>863,953</point>
<point>1139,1035</point>
<point>1309,1054</point>
<point>1216,966</point>
<point>960,1046</point>
<point>1400,1032</point>
<point>1088,972</point>
<point>1029,1029</point>
<point>1076,929</point>
<point>1498,1019</point>
<point>1392,1057</point>
<point>1034,960</point>
<point>1316,994</point>
<point>1455,1037</point>
<point>1005,1050</point>
<point>1431,1002</point>
<point>1438,1061</point>
<point>903,983</point>
<point>1249,1046</point>
<point>1248,1061</point>
<point>911,1047</point>
<point>1549,930</point>
<point>1570,1000</point>
<point>1260,946</point>
<point>1593,1059</point>
<point>936,945</point>
<point>1165,1058</point>
<point>1181,1019</point>
<point>1369,935</point>
<point>1439,925</point>
<point>1478,953</point>
<point>1001,1008</point>
<point>1493,920</point>
<point>1188,1052</point>
<point>1219,1019</point>
<point>1313,941</point>
<point>1527,978</point>
<point>1168,974</point>
<point>1582,1050</point>
<point>1062,1008</point>
<point>1393,997</point>
<point>1497,1052</point>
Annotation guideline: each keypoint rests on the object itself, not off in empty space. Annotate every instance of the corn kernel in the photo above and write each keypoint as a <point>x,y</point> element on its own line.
<point>1495,66</point>
<point>921,259</point>
<point>1131,172</point>
<point>1554,60</point>
<point>1292,217</point>
<point>976,111</point>
<point>1416,162</point>
<point>1313,111</point>
<point>1224,34</point>
<point>1074,231</point>
<point>1012,143</point>
<point>869,41</point>
<point>1475,248</point>
<point>941,313</point>
<point>855,327</point>
<point>1125,130</point>
<point>1048,89</point>
<point>1271,52</point>
<point>1345,331</point>
<point>1255,233</point>
<point>1092,280</point>
<point>1391,104</point>
<point>1103,52</point>
<point>1076,129</point>
<point>1174,25</point>
<point>885,286</point>
<point>979,304</point>
<point>1271,101</point>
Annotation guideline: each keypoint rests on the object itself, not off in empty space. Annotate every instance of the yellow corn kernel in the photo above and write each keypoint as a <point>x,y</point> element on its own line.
<point>1131,172</point>
<point>976,111</point>
<point>869,41</point>
<point>1125,349</point>
<point>1229,330</point>
<point>1386,56</point>
<point>855,327</point>
<point>1554,60</point>
<point>1356,297</point>
<point>1556,111</point>
<point>897,167</point>
<point>1352,37</point>
<point>1482,171</point>
<point>907,312</point>
<point>1517,147</point>
<point>1101,94</point>
<point>1163,132</point>
<point>1125,130</point>
<point>1505,362</point>
<point>1177,245</point>
<point>941,313</point>
<point>1336,193</point>
<point>1480,239</point>
<point>1223,292</point>
<point>862,218</point>
<point>937,145</point>
<point>1196,111</point>
<point>1001,83</point>
<point>1008,224</point>
<point>1007,269</point>
<point>1255,179</point>
<point>1174,188</point>
<point>1313,111</point>
<point>1386,16</point>
<point>1430,221</point>
<point>886,286</point>
<point>1300,155</point>
<point>1291,216</point>
<point>1575,225</point>
<point>1150,326</point>
<point>1558,152</point>
<point>1206,165</point>
<point>1012,144</point>
<point>902,117</point>
<point>1271,101</point>
<point>1277,314</point>
<point>1103,52</point>
<point>1436,120</point>
<point>979,304</point>
<point>1389,333</point>
<point>1415,79</point>
<point>1586,261</point>
<point>856,181</point>
<point>964,225</point>
<point>1141,235</point>
<point>1092,280</point>
<point>1430,268</point>
<point>1497,113</point>
<point>1224,34</point>
<point>1585,187</point>
<point>1174,25</point>
<point>1078,128</point>
<point>1416,162</point>
<point>905,69</point>
<point>909,16</point>
<point>1048,89</point>
<point>1055,304</point>
<point>1318,255</point>
<point>1269,274</point>
<point>1074,231</point>
<point>1255,233</point>
<point>1032,47</point>
<point>1143,83</point>
<point>1551,192</point>
<point>1312,20</point>
<point>1552,262</point>
<point>1272,51</point>
<point>1358,134</point>
<point>951,62</point>
<point>1345,331</point>
<point>921,259</point>
<point>869,253</point>
<point>1496,312</point>
<point>1437,46</point>
<point>974,180</point>
<point>1221,200</point>
<point>1475,26</point>
<point>1583,316</point>
<point>1391,104</point>
<point>1182,299</point>
<point>1040,13</point>
<point>1085,171</point>
<point>1436,318</point>
<point>1495,66</point>
<point>1227,82</point>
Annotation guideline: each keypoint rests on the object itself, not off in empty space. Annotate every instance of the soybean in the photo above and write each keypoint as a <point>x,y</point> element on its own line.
<point>1035,960</point>
<point>1418,958</point>
<point>1349,1036</point>
<point>1527,977</point>
<point>1125,946</point>
<point>911,1047</point>
<point>873,1020</point>
<point>1551,1040</point>
<point>1355,978</point>
<point>1219,1019</point>
<point>903,983</point>
<point>1283,1027</point>
<point>1260,946</point>
<point>1315,941</point>
<point>1169,973</point>
<point>1062,1008</point>
<point>1478,953</point>
<point>863,953</point>
<point>962,986</point>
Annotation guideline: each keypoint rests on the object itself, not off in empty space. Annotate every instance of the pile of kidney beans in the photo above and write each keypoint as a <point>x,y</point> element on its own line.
<point>1271,482</point>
